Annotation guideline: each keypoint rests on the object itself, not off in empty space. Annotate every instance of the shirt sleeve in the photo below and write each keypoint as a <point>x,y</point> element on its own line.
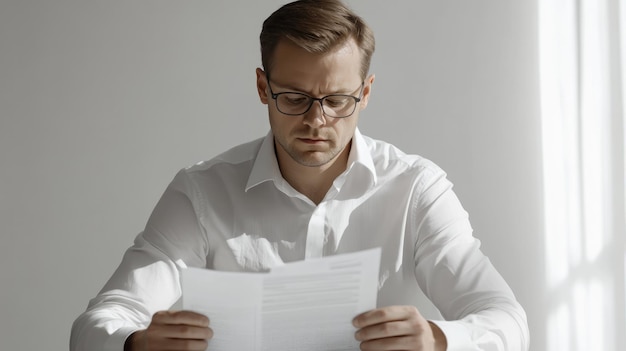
<point>147,280</point>
<point>479,308</point>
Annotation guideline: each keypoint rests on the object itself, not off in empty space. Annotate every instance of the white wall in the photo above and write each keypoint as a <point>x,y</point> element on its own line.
<point>101,102</point>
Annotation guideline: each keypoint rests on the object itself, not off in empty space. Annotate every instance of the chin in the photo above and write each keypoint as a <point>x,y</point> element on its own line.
<point>314,159</point>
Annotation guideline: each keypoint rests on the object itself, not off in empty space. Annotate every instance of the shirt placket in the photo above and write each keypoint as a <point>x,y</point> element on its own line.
<point>316,233</point>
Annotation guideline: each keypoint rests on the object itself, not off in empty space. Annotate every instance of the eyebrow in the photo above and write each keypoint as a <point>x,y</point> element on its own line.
<point>297,90</point>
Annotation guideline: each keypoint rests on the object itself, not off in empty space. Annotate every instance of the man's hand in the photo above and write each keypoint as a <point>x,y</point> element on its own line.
<point>398,328</point>
<point>172,330</point>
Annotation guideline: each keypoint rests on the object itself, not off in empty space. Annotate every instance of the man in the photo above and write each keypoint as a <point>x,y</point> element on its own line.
<point>314,186</point>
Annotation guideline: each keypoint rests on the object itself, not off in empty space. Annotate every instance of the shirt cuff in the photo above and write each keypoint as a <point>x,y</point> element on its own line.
<point>457,336</point>
<point>115,342</point>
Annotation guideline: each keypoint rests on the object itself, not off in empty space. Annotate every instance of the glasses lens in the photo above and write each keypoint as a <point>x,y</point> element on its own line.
<point>339,105</point>
<point>336,106</point>
<point>293,103</point>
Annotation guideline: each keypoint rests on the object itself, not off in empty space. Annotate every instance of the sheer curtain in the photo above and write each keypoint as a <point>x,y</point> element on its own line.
<point>582,68</point>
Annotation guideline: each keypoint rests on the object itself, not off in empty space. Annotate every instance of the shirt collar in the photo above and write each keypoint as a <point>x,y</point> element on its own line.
<point>360,154</point>
<point>266,168</point>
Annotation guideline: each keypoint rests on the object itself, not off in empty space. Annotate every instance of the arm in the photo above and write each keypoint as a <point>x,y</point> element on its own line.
<point>147,280</point>
<point>128,300</point>
<point>480,309</point>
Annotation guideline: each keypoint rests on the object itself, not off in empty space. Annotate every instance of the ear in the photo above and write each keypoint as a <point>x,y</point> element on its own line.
<point>367,91</point>
<point>261,86</point>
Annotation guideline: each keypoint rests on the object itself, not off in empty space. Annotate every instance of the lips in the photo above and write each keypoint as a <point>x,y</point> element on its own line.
<point>312,140</point>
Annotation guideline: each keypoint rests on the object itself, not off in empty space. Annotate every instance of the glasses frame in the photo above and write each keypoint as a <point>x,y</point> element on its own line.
<point>314,99</point>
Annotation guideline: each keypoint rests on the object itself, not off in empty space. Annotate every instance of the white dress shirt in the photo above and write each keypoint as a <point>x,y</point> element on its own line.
<point>237,213</point>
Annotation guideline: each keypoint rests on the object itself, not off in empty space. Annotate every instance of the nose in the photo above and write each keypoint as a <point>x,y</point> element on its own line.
<point>315,115</point>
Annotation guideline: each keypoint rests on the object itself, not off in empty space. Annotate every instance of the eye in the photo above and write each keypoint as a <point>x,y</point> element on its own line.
<point>337,100</point>
<point>294,99</point>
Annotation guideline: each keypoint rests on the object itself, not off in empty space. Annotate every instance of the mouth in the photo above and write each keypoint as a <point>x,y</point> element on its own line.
<point>312,141</point>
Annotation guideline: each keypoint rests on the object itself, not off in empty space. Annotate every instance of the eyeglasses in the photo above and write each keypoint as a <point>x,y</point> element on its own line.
<point>334,105</point>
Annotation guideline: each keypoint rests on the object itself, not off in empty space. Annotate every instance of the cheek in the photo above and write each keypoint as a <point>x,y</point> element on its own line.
<point>274,125</point>
<point>274,118</point>
<point>280,124</point>
<point>345,131</point>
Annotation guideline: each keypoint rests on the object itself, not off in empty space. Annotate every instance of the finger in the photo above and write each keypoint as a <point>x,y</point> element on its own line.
<point>181,317</point>
<point>182,344</point>
<point>384,330</point>
<point>385,314</point>
<point>182,331</point>
<point>396,343</point>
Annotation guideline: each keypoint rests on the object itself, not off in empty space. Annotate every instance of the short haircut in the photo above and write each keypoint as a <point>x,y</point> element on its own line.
<point>317,26</point>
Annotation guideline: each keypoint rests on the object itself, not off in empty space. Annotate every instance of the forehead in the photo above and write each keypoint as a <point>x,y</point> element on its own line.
<point>337,69</point>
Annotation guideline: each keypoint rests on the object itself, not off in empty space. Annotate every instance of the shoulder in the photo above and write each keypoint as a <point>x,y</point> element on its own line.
<point>388,158</point>
<point>232,167</point>
<point>242,154</point>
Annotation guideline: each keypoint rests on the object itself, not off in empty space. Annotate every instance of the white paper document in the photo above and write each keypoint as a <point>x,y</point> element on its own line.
<point>306,305</point>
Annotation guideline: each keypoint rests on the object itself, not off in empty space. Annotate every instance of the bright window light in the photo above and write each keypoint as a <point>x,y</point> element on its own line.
<point>576,108</point>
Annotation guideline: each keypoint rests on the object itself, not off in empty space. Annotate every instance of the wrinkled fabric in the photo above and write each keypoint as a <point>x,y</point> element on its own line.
<point>235,212</point>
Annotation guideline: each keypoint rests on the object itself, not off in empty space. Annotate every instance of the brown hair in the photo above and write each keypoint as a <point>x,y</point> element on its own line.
<point>317,26</point>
